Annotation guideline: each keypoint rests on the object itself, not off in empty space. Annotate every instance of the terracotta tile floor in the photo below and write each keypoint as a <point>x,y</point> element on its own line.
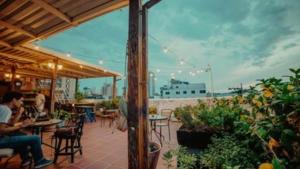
<point>102,149</point>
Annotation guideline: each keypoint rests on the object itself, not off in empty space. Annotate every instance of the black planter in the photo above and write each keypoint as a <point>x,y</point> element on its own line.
<point>194,139</point>
<point>153,155</point>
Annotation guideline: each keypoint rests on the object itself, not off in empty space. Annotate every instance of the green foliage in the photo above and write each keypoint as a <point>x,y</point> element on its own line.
<point>79,96</point>
<point>186,160</point>
<point>109,104</point>
<point>220,117</point>
<point>168,158</point>
<point>227,152</point>
<point>62,114</point>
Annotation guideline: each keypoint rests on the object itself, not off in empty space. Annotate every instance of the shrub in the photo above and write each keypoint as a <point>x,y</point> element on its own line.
<point>227,152</point>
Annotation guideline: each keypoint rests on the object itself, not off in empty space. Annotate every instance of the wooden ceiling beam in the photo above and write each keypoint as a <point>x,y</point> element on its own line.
<point>82,73</point>
<point>100,10</point>
<point>53,10</point>
<point>33,73</point>
<point>35,52</point>
<point>6,44</point>
<point>17,57</point>
<point>10,26</point>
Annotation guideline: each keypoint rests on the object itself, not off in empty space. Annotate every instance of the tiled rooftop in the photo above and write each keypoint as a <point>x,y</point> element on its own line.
<point>102,149</point>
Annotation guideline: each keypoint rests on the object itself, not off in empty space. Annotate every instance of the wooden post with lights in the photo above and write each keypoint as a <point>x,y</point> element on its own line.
<point>136,144</point>
<point>137,85</point>
<point>53,86</point>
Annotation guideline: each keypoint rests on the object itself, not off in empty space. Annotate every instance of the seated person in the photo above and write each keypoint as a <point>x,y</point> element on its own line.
<point>40,103</point>
<point>20,143</point>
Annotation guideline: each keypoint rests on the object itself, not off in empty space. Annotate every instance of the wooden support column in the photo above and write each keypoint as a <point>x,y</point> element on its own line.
<point>13,77</point>
<point>76,85</point>
<point>136,142</point>
<point>114,87</point>
<point>53,86</point>
<point>144,84</point>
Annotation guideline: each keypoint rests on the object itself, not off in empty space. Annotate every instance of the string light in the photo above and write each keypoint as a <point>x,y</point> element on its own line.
<point>100,62</point>
<point>157,70</point>
<point>80,66</point>
<point>36,47</point>
<point>59,67</point>
<point>68,55</point>
<point>51,65</point>
<point>7,75</point>
<point>151,75</point>
<point>18,76</point>
<point>179,71</point>
<point>165,49</point>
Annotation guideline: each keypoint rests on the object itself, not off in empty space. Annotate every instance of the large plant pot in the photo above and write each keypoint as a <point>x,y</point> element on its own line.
<point>194,139</point>
<point>153,154</point>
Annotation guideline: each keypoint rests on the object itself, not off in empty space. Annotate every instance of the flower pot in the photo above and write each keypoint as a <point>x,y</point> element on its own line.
<point>153,154</point>
<point>194,139</point>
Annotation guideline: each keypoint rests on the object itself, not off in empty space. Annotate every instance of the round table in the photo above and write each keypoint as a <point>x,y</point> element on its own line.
<point>153,119</point>
<point>41,124</point>
<point>50,122</point>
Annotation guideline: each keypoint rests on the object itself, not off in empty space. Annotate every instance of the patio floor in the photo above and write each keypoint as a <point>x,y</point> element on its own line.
<point>101,149</point>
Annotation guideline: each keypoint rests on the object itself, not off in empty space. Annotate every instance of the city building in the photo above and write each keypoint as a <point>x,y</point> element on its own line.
<point>181,89</point>
<point>151,84</point>
<point>107,90</point>
<point>67,86</point>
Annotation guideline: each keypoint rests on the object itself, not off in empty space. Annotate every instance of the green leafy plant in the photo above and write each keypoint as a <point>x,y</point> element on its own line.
<point>62,114</point>
<point>185,160</point>
<point>109,104</point>
<point>227,152</point>
<point>79,96</point>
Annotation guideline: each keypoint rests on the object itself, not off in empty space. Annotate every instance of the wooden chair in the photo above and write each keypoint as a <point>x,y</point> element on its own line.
<point>6,153</point>
<point>72,134</point>
<point>165,123</point>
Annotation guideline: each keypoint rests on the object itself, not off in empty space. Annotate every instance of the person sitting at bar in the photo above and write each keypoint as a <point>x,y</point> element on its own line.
<point>20,143</point>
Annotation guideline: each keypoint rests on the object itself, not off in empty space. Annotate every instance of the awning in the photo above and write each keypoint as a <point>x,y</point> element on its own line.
<point>23,21</point>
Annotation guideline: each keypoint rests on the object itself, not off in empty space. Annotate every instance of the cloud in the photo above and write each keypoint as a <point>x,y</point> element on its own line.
<point>242,40</point>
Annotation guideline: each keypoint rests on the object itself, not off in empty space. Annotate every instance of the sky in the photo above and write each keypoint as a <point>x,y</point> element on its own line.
<point>242,41</point>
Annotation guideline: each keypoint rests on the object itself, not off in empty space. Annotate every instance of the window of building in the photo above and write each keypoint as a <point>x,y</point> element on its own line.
<point>193,91</point>
<point>167,93</point>
<point>184,92</point>
<point>178,92</point>
<point>176,87</point>
<point>202,91</point>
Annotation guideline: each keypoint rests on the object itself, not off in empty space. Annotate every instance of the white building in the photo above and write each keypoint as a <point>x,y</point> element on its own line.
<point>67,86</point>
<point>107,90</point>
<point>180,89</point>
<point>151,84</point>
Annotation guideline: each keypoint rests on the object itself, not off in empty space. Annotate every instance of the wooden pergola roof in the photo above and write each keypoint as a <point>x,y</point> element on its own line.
<point>35,62</point>
<point>24,21</point>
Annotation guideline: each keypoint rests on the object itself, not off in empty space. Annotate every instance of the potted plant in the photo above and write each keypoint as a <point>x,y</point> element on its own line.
<point>154,150</point>
<point>62,115</point>
<point>200,122</point>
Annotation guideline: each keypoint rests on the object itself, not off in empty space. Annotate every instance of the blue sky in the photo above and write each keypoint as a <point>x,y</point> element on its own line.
<point>243,40</point>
